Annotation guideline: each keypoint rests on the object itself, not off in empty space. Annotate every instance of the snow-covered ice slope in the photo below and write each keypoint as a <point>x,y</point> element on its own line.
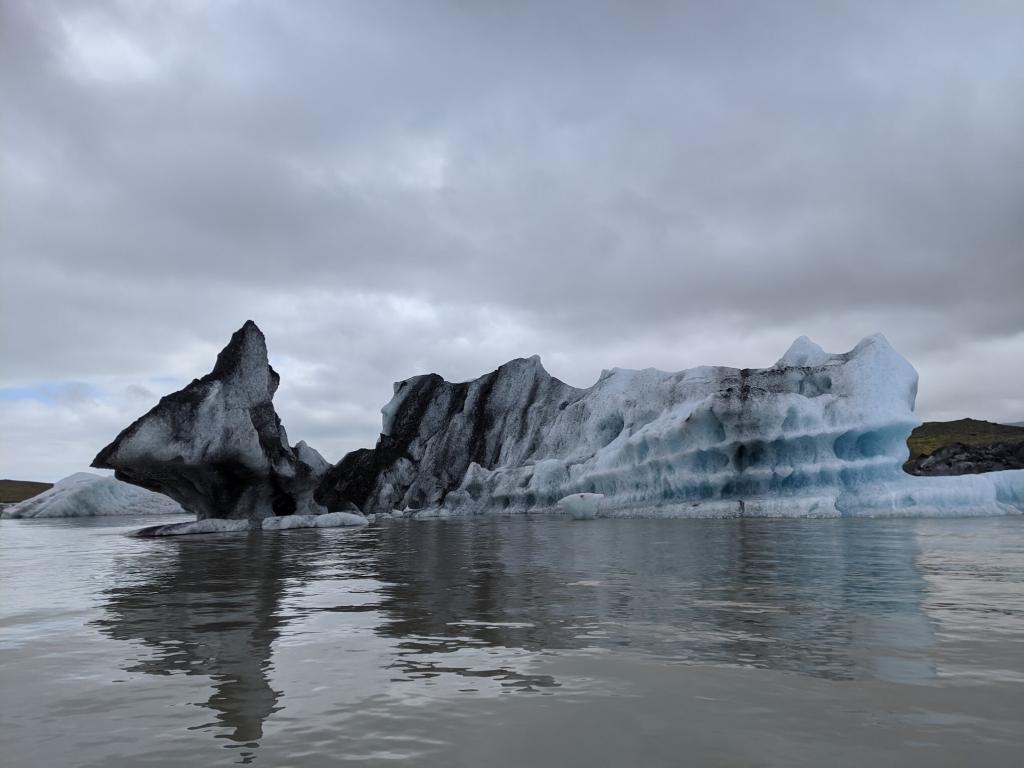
<point>816,434</point>
<point>86,495</point>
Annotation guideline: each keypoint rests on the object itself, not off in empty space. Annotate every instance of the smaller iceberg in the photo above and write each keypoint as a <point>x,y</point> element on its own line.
<point>87,495</point>
<point>327,520</point>
<point>582,506</point>
<point>223,525</point>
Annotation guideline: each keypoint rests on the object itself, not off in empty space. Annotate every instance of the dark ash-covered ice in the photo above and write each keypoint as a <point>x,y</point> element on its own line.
<point>217,447</point>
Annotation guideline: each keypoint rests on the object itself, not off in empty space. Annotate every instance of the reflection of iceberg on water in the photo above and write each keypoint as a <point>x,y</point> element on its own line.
<point>213,613</point>
<point>778,595</point>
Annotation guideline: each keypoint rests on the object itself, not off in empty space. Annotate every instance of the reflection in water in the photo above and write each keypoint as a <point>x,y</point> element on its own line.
<point>211,607</point>
<point>771,594</point>
<point>835,599</point>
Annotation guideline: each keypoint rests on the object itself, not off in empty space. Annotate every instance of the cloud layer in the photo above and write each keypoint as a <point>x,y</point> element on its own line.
<point>390,188</point>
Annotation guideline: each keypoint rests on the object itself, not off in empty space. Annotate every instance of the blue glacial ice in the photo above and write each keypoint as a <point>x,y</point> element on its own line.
<point>816,434</point>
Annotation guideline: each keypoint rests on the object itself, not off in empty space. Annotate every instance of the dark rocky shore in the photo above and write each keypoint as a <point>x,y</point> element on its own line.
<point>960,459</point>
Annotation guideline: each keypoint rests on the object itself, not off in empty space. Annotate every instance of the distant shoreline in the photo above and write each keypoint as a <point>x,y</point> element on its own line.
<point>13,491</point>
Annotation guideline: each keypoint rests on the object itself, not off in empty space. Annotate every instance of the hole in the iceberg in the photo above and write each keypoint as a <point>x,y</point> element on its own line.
<point>845,446</point>
<point>747,455</point>
<point>882,442</point>
<point>283,504</point>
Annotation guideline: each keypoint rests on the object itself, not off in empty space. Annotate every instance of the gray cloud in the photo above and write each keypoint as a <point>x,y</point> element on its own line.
<point>391,188</point>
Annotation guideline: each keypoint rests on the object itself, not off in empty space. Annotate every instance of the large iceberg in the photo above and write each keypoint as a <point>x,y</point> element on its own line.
<point>218,447</point>
<point>815,434</point>
<point>85,495</point>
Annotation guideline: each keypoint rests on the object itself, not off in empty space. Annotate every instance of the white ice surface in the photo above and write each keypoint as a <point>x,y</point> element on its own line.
<point>84,494</point>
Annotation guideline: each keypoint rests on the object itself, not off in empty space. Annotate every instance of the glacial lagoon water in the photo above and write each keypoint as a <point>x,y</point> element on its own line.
<point>513,641</point>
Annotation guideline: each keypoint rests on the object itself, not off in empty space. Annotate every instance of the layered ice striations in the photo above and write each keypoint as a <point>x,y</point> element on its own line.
<point>816,434</point>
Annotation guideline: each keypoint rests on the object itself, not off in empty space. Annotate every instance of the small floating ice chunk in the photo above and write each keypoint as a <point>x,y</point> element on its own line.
<point>209,525</point>
<point>428,514</point>
<point>327,520</point>
<point>582,506</point>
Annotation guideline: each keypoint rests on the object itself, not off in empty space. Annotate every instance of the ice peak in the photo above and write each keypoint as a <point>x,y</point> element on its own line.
<point>874,340</point>
<point>247,348</point>
<point>803,353</point>
<point>523,368</point>
<point>245,366</point>
<point>310,456</point>
<point>532,362</point>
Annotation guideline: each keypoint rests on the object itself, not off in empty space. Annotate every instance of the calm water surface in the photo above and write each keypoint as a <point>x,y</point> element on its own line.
<point>509,642</point>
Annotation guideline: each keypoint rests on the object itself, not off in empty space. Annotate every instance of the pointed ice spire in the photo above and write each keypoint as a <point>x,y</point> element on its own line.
<point>217,446</point>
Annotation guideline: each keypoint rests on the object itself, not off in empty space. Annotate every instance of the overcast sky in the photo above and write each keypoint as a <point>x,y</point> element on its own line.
<point>391,188</point>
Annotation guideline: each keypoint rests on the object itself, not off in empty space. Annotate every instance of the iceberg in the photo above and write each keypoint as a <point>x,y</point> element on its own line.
<point>86,495</point>
<point>217,447</point>
<point>817,434</point>
<point>581,506</point>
